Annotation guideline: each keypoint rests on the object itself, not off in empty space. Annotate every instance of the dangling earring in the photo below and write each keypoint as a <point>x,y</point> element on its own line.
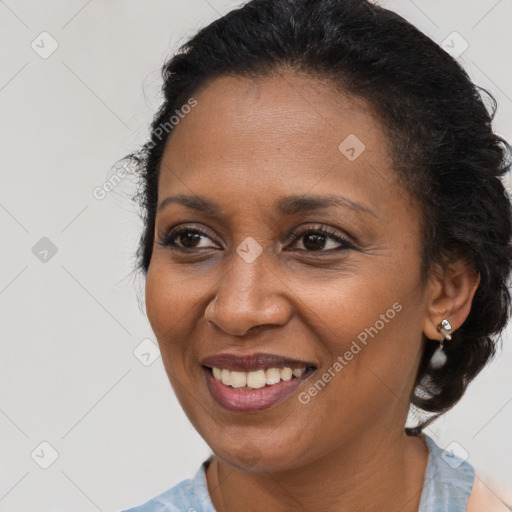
<point>446,329</point>
<point>439,356</point>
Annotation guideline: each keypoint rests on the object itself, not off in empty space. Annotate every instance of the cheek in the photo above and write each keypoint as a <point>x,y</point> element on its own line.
<point>351,308</point>
<point>170,299</point>
<point>371,340</point>
<point>169,307</point>
<point>160,304</point>
<point>373,358</point>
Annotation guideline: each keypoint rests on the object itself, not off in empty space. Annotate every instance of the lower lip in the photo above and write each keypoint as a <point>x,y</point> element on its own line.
<point>252,400</point>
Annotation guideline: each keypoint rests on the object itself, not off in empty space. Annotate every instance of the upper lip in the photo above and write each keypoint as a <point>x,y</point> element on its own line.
<point>252,362</point>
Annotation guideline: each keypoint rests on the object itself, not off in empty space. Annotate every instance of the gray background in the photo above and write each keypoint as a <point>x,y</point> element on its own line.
<point>72,320</point>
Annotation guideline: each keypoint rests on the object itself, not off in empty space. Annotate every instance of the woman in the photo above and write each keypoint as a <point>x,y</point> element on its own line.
<point>326,244</point>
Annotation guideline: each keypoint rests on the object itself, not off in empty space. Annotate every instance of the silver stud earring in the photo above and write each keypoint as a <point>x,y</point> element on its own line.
<point>446,329</point>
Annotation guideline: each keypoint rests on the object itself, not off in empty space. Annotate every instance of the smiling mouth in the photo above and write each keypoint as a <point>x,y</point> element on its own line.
<point>259,378</point>
<point>253,383</point>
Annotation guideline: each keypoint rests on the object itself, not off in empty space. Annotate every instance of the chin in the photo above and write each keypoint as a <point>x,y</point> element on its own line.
<point>272,453</point>
<point>250,458</point>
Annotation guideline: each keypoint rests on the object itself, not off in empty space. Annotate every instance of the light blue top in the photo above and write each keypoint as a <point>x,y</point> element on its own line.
<point>446,487</point>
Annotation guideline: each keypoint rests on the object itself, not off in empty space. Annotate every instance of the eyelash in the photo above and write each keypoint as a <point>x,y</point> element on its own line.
<point>169,239</point>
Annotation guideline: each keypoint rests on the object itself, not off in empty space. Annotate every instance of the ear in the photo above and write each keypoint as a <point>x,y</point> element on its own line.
<point>450,293</point>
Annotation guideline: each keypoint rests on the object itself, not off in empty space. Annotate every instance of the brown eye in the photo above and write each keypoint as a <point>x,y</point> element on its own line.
<point>189,239</point>
<point>316,239</point>
<point>184,238</point>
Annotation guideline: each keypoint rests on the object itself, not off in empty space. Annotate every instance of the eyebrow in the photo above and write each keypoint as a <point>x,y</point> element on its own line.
<point>289,205</point>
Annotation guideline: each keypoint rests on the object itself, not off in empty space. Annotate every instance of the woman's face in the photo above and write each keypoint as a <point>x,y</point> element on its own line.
<point>263,287</point>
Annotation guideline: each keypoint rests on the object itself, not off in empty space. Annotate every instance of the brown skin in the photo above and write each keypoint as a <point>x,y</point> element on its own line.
<point>246,144</point>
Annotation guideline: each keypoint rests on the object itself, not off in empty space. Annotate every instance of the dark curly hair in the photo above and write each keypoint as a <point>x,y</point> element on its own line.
<point>439,130</point>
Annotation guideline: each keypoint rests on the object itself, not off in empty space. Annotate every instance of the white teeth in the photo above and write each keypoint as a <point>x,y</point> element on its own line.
<point>256,379</point>
<point>239,379</point>
<point>286,373</point>
<point>273,375</point>
<point>226,377</point>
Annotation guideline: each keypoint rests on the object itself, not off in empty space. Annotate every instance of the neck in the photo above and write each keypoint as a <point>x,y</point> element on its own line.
<point>375,474</point>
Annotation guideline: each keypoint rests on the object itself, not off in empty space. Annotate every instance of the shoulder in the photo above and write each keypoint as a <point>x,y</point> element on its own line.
<point>188,495</point>
<point>482,498</point>
<point>172,500</point>
<point>451,484</point>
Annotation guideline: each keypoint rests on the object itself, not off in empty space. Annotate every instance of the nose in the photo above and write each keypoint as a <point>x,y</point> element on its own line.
<point>249,295</point>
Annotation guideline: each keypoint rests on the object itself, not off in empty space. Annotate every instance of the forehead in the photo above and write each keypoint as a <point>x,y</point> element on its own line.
<point>257,137</point>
